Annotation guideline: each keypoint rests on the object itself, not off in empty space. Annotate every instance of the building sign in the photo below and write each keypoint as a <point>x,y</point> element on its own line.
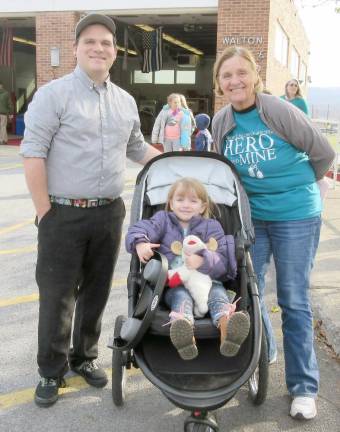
<point>243,40</point>
<point>246,40</point>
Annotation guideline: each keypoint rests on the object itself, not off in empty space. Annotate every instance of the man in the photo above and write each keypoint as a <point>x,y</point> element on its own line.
<point>6,108</point>
<point>79,129</point>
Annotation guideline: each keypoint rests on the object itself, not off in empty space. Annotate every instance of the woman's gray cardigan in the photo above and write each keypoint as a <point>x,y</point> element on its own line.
<point>286,121</point>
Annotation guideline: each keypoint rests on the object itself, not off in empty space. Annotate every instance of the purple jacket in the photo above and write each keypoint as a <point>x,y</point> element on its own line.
<point>164,228</point>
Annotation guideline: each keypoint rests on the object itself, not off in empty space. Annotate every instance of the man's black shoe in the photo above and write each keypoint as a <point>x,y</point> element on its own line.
<point>46,393</point>
<point>92,373</point>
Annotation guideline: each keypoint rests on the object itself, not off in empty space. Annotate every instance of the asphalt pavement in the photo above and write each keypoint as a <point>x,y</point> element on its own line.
<point>85,409</point>
<point>325,283</point>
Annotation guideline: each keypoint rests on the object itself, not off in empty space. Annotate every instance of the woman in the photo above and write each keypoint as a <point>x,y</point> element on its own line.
<point>280,157</point>
<point>293,95</point>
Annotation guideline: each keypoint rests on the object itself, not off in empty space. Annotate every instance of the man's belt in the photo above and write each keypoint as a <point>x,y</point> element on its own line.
<point>83,203</point>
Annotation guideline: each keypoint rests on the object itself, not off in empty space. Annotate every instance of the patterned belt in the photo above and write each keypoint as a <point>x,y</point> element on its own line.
<point>83,203</point>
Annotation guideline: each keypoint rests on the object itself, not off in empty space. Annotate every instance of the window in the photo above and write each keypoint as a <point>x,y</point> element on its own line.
<point>186,77</point>
<point>281,45</point>
<point>142,78</point>
<point>165,77</point>
<point>302,73</point>
<point>294,63</point>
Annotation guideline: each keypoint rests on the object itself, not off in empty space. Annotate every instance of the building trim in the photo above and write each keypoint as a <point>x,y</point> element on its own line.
<point>149,6</point>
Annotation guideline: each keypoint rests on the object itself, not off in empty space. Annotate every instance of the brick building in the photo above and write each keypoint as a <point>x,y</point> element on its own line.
<point>270,28</point>
<point>273,31</point>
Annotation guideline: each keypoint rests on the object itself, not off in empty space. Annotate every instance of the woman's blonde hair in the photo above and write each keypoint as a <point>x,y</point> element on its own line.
<point>187,185</point>
<point>298,93</point>
<point>227,54</point>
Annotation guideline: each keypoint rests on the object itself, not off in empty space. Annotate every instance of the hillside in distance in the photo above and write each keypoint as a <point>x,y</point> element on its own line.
<point>324,102</point>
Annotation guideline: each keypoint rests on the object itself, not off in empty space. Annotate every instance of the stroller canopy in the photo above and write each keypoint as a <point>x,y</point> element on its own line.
<point>216,173</point>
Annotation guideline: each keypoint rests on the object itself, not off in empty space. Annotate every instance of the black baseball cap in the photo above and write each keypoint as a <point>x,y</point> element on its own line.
<point>94,18</point>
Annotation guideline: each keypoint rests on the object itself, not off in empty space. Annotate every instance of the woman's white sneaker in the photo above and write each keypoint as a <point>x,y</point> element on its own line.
<point>303,408</point>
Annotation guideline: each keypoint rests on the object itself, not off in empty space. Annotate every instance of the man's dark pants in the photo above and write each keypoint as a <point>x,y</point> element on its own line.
<point>77,253</point>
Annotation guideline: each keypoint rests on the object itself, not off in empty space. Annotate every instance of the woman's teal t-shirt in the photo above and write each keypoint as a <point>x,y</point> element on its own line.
<point>299,103</point>
<point>278,178</point>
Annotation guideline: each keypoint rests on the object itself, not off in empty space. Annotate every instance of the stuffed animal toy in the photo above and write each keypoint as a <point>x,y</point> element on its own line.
<point>197,283</point>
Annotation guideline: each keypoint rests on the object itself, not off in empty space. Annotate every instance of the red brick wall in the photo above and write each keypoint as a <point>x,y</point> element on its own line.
<point>248,18</point>
<point>258,18</point>
<point>285,12</point>
<point>54,29</point>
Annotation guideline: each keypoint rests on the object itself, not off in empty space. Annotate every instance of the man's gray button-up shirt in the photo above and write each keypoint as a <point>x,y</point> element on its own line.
<point>85,133</point>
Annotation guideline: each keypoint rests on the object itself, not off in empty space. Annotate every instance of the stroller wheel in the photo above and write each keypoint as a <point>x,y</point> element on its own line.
<point>201,428</point>
<point>202,422</point>
<point>119,362</point>
<point>258,382</point>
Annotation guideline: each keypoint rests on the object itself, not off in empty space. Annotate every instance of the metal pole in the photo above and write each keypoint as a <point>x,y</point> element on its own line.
<point>13,83</point>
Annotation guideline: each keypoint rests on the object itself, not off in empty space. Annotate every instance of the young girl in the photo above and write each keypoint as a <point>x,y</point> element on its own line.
<point>172,127</point>
<point>187,212</point>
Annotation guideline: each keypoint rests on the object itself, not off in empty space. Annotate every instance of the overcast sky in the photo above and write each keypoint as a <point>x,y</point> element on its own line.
<point>322,25</point>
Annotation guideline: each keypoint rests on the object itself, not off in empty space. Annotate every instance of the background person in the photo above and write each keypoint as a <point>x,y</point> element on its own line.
<point>172,127</point>
<point>280,156</point>
<point>293,95</point>
<point>192,120</point>
<point>203,139</point>
<point>79,130</point>
<point>6,109</point>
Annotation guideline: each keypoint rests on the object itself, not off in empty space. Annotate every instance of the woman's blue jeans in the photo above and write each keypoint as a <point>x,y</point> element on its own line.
<point>293,245</point>
<point>179,300</point>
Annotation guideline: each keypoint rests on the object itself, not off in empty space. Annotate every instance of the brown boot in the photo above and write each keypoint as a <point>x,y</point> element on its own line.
<point>182,337</point>
<point>234,330</point>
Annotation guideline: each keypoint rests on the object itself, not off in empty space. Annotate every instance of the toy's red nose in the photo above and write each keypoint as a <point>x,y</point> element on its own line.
<point>191,242</point>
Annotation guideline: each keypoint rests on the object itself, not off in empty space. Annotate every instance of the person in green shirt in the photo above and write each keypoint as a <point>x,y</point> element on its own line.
<point>293,95</point>
<point>6,108</point>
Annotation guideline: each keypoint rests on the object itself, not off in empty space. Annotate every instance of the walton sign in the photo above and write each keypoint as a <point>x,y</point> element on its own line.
<point>243,40</point>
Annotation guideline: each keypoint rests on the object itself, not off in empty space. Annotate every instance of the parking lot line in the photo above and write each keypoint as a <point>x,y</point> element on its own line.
<point>10,166</point>
<point>35,296</point>
<point>74,384</point>
<point>16,226</point>
<point>19,300</point>
<point>24,249</point>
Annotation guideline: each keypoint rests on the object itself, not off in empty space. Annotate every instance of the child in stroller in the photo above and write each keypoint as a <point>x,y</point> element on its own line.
<point>188,211</point>
<point>140,338</point>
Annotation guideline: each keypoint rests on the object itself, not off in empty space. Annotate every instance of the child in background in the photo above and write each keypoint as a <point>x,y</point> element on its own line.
<point>172,127</point>
<point>203,138</point>
<point>190,125</point>
<point>187,212</point>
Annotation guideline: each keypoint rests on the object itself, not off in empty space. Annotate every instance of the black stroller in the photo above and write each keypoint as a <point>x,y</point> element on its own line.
<point>141,340</point>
